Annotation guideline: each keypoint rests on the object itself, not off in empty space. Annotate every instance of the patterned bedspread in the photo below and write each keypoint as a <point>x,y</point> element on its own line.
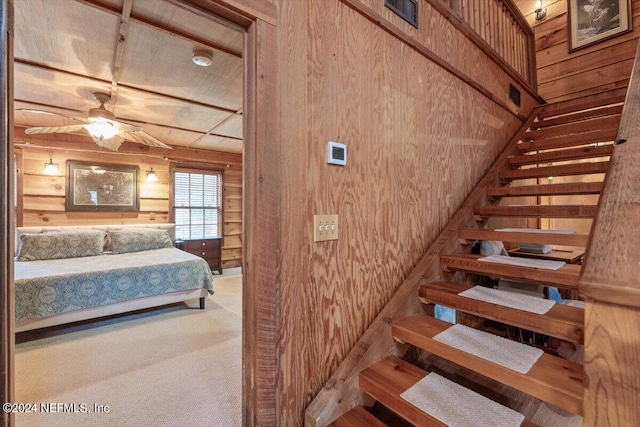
<point>48,287</point>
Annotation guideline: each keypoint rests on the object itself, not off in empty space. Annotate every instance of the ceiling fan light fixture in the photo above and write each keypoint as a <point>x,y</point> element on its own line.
<point>51,168</point>
<point>203,58</point>
<point>102,129</point>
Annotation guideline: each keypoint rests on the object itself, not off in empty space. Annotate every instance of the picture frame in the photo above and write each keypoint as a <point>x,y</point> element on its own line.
<point>593,21</point>
<point>101,187</point>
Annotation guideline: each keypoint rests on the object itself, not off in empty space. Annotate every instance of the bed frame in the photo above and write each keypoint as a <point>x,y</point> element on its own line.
<point>111,309</point>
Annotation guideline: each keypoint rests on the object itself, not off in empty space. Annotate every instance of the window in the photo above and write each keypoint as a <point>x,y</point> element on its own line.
<point>197,203</point>
<point>406,9</point>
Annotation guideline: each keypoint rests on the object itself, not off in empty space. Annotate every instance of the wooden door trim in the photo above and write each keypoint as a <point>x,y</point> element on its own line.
<point>7,345</point>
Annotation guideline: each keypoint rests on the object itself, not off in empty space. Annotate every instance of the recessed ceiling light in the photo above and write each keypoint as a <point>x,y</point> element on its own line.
<point>202,58</point>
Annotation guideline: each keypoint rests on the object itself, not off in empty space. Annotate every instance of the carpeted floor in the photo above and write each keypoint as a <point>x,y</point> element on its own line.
<point>174,366</point>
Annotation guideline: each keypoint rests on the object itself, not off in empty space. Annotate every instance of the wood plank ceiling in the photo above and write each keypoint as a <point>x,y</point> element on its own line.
<point>140,52</point>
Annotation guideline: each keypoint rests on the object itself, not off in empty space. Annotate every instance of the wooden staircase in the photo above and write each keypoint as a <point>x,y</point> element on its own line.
<point>562,141</point>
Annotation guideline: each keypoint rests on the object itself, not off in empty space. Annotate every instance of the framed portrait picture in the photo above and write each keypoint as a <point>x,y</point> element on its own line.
<point>592,21</point>
<point>101,187</point>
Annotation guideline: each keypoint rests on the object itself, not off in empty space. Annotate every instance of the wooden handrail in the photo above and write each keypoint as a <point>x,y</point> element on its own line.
<point>610,281</point>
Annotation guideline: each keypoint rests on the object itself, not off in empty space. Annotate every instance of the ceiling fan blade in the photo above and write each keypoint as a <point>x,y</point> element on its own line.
<point>31,110</point>
<point>126,127</point>
<point>54,129</point>
<point>110,144</point>
<point>141,137</point>
<point>128,131</point>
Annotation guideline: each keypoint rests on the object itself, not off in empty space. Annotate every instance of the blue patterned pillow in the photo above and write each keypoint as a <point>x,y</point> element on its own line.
<point>139,239</point>
<point>39,246</point>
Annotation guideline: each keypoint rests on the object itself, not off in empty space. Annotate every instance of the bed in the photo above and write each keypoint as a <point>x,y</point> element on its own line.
<point>68,274</point>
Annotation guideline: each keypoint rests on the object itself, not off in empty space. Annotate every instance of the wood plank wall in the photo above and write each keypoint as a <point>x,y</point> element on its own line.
<point>419,140</point>
<point>43,195</point>
<point>589,71</point>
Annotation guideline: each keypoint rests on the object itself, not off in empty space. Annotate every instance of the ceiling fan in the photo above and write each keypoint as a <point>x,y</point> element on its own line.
<point>102,125</point>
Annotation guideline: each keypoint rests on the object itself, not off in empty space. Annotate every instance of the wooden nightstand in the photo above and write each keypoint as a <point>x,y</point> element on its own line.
<point>209,249</point>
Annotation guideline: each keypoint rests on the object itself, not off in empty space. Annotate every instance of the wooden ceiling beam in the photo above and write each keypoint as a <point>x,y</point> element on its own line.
<point>74,142</point>
<point>157,26</point>
<point>150,92</point>
<point>123,32</point>
<point>137,122</point>
<point>219,17</point>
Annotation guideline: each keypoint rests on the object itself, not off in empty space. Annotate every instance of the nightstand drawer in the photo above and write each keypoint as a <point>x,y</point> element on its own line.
<point>202,245</point>
<point>209,254</point>
<point>208,249</point>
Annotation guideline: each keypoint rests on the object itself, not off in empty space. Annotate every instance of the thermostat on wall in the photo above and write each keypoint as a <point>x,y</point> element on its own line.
<point>336,153</point>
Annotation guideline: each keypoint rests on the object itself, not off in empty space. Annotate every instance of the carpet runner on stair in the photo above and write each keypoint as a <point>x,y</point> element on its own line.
<point>514,300</point>
<point>455,405</point>
<point>499,350</point>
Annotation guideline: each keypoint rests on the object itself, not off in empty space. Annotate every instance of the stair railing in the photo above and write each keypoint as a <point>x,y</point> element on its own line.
<point>610,281</point>
<point>499,29</point>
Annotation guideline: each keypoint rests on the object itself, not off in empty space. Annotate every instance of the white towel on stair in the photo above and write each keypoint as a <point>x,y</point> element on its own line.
<point>536,248</point>
<point>524,262</point>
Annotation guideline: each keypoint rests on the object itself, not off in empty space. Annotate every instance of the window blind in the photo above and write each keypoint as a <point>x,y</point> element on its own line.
<point>197,204</point>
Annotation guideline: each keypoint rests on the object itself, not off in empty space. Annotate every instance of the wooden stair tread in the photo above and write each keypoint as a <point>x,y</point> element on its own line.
<point>552,379</point>
<point>537,211</point>
<point>573,128</point>
<point>585,152</point>
<point>357,417</point>
<point>585,168</point>
<point>387,379</point>
<point>566,277</point>
<point>561,321</point>
<point>571,188</point>
<point>578,115</point>
<point>575,140</point>
<point>552,110</point>
<point>472,234</point>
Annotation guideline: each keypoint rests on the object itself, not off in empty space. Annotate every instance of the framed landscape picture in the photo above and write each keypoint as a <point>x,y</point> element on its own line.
<point>592,21</point>
<point>101,187</point>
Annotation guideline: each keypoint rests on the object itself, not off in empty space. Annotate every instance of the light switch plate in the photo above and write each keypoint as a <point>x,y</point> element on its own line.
<point>325,227</point>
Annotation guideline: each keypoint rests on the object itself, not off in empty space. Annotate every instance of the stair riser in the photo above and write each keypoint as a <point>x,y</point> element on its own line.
<point>568,189</point>
<point>564,155</point>
<point>563,170</point>
<point>469,236</point>
<point>548,326</point>
<point>566,277</point>
<point>551,111</point>
<point>598,136</point>
<point>586,211</point>
<point>573,128</point>
<point>582,115</point>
